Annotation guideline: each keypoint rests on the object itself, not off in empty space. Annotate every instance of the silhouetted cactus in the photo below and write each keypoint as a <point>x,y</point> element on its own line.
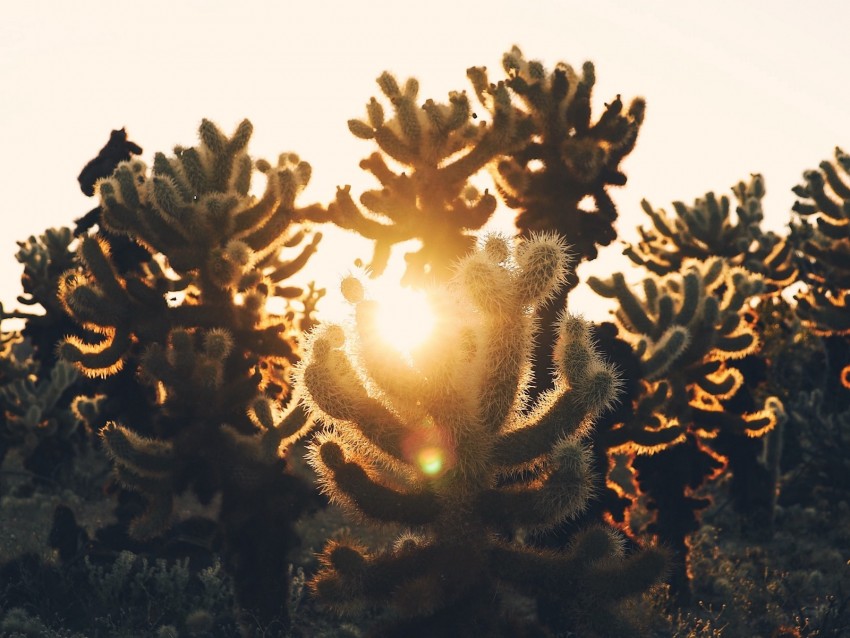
<point>569,158</point>
<point>194,325</point>
<point>709,229</point>
<point>431,199</point>
<point>426,444</point>
<point>824,252</point>
<point>686,330</point>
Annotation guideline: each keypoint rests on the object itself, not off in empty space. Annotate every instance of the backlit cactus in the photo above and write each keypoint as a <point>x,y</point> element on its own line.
<point>446,445</point>
<point>686,330</point>
<point>430,199</point>
<point>708,228</point>
<point>824,252</point>
<point>569,158</point>
<point>193,325</point>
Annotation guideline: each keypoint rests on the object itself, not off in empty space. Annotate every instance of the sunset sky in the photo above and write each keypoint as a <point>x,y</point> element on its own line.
<point>732,88</point>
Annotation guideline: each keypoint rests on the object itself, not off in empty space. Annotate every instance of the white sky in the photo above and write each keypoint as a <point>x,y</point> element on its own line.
<point>732,88</point>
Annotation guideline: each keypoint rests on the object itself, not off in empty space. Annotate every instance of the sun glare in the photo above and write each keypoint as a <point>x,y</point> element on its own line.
<point>405,318</point>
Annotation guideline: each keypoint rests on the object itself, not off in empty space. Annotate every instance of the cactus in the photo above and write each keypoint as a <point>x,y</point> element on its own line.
<point>429,444</point>
<point>708,228</point>
<point>192,324</point>
<point>558,180</point>
<point>824,248</point>
<point>687,331</point>
<point>432,200</point>
<point>569,158</point>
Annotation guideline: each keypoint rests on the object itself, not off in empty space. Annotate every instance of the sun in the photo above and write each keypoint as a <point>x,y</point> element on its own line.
<point>405,318</point>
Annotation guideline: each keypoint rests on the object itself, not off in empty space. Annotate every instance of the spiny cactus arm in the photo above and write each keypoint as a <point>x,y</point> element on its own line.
<point>661,355</point>
<point>825,313</point>
<point>142,455</point>
<point>753,424</point>
<point>346,214</point>
<point>834,255</point>
<point>629,576</point>
<point>281,429</point>
<point>143,465</point>
<point>99,359</point>
<point>824,203</point>
<point>287,269</point>
<point>223,151</point>
<point>593,385</point>
<point>631,310</point>
<point>648,430</point>
<point>555,414</point>
<point>738,343</point>
<point>560,493</point>
<point>592,551</point>
<point>159,502</point>
<point>723,383</point>
<point>349,484</point>
<point>646,436</point>
<point>335,393</point>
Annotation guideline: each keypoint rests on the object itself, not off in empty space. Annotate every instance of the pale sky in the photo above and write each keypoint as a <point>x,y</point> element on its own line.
<point>732,88</point>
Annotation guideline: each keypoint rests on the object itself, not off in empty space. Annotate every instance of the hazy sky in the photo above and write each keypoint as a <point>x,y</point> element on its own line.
<point>732,87</point>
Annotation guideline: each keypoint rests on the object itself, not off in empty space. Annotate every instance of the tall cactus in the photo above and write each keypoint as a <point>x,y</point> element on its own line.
<point>429,444</point>
<point>686,330</point>
<point>193,324</point>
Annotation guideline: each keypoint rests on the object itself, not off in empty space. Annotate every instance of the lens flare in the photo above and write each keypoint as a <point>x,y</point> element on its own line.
<point>430,460</point>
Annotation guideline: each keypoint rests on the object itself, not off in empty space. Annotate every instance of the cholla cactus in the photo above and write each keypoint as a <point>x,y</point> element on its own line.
<point>558,180</point>
<point>569,158</point>
<point>32,407</point>
<point>708,228</point>
<point>194,213</point>
<point>824,251</point>
<point>428,443</point>
<point>193,324</point>
<point>687,330</point>
<point>824,199</point>
<point>432,200</point>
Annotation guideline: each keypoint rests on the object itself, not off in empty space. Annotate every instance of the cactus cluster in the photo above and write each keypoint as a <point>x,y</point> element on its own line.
<point>824,246</point>
<point>708,228</point>
<point>446,446</point>
<point>536,471</point>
